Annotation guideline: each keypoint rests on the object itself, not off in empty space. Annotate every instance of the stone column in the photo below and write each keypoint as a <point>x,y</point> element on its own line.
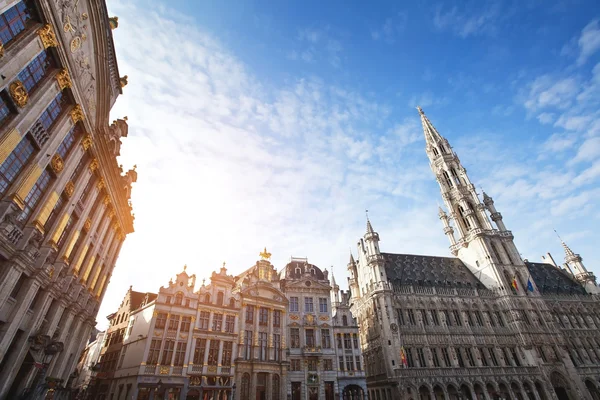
<point>253,383</point>
<point>23,300</point>
<point>9,276</point>
<point>269,386</point>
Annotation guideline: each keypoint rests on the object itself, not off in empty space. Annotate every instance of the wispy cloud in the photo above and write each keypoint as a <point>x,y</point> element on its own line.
<point>589,41</point>
<point>315,44</point>
<point>468,21</point>
<point>391,27</point>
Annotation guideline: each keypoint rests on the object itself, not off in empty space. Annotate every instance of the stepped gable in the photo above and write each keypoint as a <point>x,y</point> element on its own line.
<point>553,280</point>
<point>410,269</point>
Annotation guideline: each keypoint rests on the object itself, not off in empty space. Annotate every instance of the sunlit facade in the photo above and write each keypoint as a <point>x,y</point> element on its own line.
<point>64,200</point>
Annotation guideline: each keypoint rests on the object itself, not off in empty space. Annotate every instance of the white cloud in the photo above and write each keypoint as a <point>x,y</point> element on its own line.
<point>558,143</point>
<point>545,118</point>
<point>465,23</point>
<point>390,29</point>
<point>589,41</point>
<point>589,150</point>
<point>546,91</point>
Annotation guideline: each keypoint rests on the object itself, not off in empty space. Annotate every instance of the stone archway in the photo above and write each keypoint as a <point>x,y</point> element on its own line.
<point>593,389</point>
<point>492,392</point>
<point>353,392</point>
<point>453,393</point>
<point>438,393</point>
<point>503,391</point>
<point>528,391</point>
<point>516,389</point>
<point>561,387</point>
<point>424,393</point>
<point>478,392</point>
<point>539,388</point>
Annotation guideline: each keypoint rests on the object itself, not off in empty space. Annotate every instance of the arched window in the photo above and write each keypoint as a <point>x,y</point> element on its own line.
<point>448,180</point>
<point>312,271</point>
<point>232,302</point>
<point>220,298</point>
<point>179,298</point>
<point>245,389</point>
<point>507,253</point>
<point>455,176</point>
<point>344,320</point>
<point>495,253</point>
<point>276,388</point>
<point>207,298</point>
<point>435,152</point>
<point>464,218</point>
<point>298,271</point>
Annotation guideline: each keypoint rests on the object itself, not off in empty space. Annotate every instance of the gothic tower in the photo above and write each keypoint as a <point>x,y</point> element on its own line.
<point>574,263</point>
<point>486,249</point>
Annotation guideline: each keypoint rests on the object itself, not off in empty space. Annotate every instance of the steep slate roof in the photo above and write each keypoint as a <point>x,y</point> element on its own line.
<point>289,272</point>
<point>137,298</point>
<point>410,269</point>
<point>552,280</point>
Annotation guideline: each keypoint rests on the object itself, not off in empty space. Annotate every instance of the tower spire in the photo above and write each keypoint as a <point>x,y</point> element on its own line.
<point>431,134</point>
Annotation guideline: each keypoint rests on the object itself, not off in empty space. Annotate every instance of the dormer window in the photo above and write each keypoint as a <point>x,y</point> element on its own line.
<point>312,271</point>
<point>207,298</point>
<point>178,298</point>
<point>298,271</point>
<point>220,299</point>
<point>168,300</point>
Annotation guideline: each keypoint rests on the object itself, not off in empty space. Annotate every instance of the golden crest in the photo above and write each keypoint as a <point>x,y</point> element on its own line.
<point>69,188</point>
<point>294,316</point>
<point>77,114</point>
<point>46,34</point>
<point>18,93</point>
<point>101,183</point>
<point>75,44</point>
<point>106,200</point>
<point>63,79</point>
<point>123,81</point>
<point>87,225</point>
<point>87,142</point>
<point>57,164</point>
<point>94,165</point>
<point>264,254</point>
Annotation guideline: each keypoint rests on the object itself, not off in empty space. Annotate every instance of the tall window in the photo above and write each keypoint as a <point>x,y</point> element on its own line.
<point>67,144</point>
<point>154,352</point>
<point>174,322</point>
<point>484,361</point>
<point>229,323</point>
<point>513,352</point>
<point>263,316</point>
<point>434,317</point>
<point>325,339</point>
<point>308,304</point>
<point>457,317</point>
<point>401,317</point>
<point>227,354</point>
<point>185,324</point>
<point>344,320</point>
<point>424,317</point>
<point>459,357</point>
<point>220,298</point>
<point>277,346</point>
<point>409,359</point>
<point>421,357</point>
<point>248,345</point>
<point>13,164</point>
<point>347,341</point>
<point>411,316</point>
<point>339,340</point>
<point>470,357</point>
<point>55,211</point>
<point>213,352</point>
<point>294,338</point>
<point>493,356</point>
<point>178,298</point>
<point>180,354</point>
<point>357,363</point>
<point>293,304</point>
<point>14,21</point>
<point>262,346</point>
<point>446,357</point>
<point>35,194</point>
<point>199,351</point>
<point>167,354</point>
<point>341,363</point>
<point>322,304</point>
<point>447,318</point>
<point>250,314</point>
<point>203,320</point>
<point>310,337</point>
<point>33,73</point>
<point>217,322</point>
<point>355,340</point>
<point>435,358</point>
<point>349,365</point>
<point>52,112</point>
<point>277,318</point>
<point>4,108</point>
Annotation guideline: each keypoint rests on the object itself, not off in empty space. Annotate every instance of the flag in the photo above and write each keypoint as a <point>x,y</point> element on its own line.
<point>529,284</point>
<point>514,283</point>
<point>403,357</point>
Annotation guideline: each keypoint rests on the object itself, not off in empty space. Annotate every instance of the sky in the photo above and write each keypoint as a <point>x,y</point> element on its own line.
<point>277,124</point>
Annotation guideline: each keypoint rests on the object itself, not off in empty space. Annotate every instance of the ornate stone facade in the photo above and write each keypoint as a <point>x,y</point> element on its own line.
<point>60,80</point>
<point>483,325</point>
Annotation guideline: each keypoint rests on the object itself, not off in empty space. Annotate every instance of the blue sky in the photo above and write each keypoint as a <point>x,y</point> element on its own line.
<point>277,124</point>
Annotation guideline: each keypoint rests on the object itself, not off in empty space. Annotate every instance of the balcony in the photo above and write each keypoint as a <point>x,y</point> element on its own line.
<point>149,369</point>
<point>312,350</point>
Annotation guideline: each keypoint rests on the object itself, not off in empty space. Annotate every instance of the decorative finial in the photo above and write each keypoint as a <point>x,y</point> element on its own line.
<point>224,264</point>
<point>113,22</point>
<point>184,267</point>
<point>123,81</point>
<point>134,166</point>
<point>265,255</point>
<point>420,110</point>
<point>203,279</point>
<point>125,117</point>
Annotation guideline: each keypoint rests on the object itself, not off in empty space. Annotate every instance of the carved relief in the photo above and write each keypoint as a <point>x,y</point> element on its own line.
<point>18,93</point>
<point>94,165</point>
<point>57,164</point>
<point>47,36</point>
<point>117,130</point>
<point>77,114</point>
<point>63,79</point>
<point>69,188</point>
<point>87,225</point>
<point>87,142</point>
<point>106,200</point>
<point>101,183</point>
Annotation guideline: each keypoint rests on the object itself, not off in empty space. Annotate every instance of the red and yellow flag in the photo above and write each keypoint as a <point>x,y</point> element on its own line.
<point>403,356</point>
<point>514,283</point>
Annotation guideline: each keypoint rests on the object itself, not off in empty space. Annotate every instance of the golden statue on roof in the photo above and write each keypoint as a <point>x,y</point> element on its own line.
<point>264,254</point>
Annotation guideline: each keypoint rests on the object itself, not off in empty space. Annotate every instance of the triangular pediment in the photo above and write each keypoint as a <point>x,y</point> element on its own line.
<point>263,292</point>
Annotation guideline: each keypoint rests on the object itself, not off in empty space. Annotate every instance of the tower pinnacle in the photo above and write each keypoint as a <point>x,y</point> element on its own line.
<point>431,134</point>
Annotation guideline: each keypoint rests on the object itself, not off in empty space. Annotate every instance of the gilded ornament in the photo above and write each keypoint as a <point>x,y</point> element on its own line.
<point>123,81</point>
<point>94,165</point>
<point>106,200</point>
<point>113,22</point>
<point>75,44</point>
<point>69,188</point>
<point>100,184</point>
<point>77,114</point>
<point>264,254</point>
<point>87,142</point>
<point>87,225</point>
<point>84,16</point>
<point>57,164</point>
<point>1,49</point>
<point>63,79</point>
<point>18,93</point>
<point>47,35</point>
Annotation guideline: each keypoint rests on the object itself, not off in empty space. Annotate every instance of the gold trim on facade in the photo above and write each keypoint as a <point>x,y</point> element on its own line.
<point>87,142</point>
<point>94,165</point>
<point>18,93</point>
<point>77,114</point>
<point>1,49</point>
<point>87,224</point>
<point>106,200</point>
<point>69,188</point>
<point>46,34</point>
<point>57,163</point>
<point>63,79</point>
<point>101,183</point>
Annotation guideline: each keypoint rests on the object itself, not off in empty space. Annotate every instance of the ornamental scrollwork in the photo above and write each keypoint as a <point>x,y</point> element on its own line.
<point>57,163</point>
<point>94,165</point>
<point>101,183</point>
<point>46,34</point>
<point>63,79</point>
<point>87,225</point>
<point>19,93</point>
<point>87,142</point>
<point>77,114</point>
